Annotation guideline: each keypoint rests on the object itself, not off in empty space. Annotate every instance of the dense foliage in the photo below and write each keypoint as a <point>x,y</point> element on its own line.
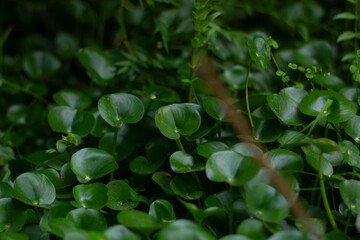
<point>110,129</point>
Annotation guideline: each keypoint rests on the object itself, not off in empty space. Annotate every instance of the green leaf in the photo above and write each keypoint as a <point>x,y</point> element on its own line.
<point>92,163</point>
<point>313,159</point>
<point>208,148</point>
<point>352,128</point>
<point>159,93</point>
<point>329,81</point>
<point>13,215</point>
<point>313,54</point>
<point>67,120</point>
<point>285,105</point>
<point>41,65</point>
<point>201,214</point>
<point>181,162</point>
<point>216,108</point>
<point>259,51</point>
<point>284,160</point>
<point>97,64</point>
<point>6,154</point>
<point>117,108</point>
<point>350,153</point>
<point>61,226</point>
<point>5,190</point>
<point>267,130</point>
<point>340,111</point>
<point>34,189</point>
<point>92,196</point>
<point>162,211</point>
<point>13,236</point>
<point>266,203</point>
<point>347,35</point>
<point>185,186</point>
<point>184,230</point>
<point>234,237</point>
<point>246,149</point>
<point>293,235</point>
<point>178,119</point>
<point>290,139</point>
<point>345,15</point>
<point>230,167</point>
<point>58,211</point>
<point>236,77</point>
<point>138,220</point>
<point>66,45</point>
<point>350,193</point>
<point>324,145</point>
<point>87,219</point>
<point>163,179</point>
<point>72,98</point>
<point>252,228</point>
<point>163,29</point>
<point>119,232</point>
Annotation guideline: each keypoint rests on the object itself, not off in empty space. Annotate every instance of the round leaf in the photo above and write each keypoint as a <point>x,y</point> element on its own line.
<point>92,163</point>
<point>350,193</point>
<point>178,119</point>
<point>341,109</point>
<point>181,162</point>
<point>92,196</point>
<point>34,189</point>
<point>293,235</point>
<point>58,211</point>
<point>159,93</point>
<point>185,186</point>
<point>184,230</point>
<point>13,215</point>
<point>97,64</point>
<point>352,128</point>
<point>329,81</point>
<point>40,65</point>
<point>119,232</point>
<point>252,228</point>
<point>236,77</point>
<point>215,108</point>
<point>230,167</point>
<point>87,219</point>
<point>162,211</point>
<point>259,51</point>
<point>234,237</point>
<point>138,220</point>
<point>117,108</point>
<point>313,159</point>
<point>120,196</point>
<point>67,120</point>
<point>266,203</point>
<point>72,98</point>
<point>6,154</point>
<point>284,159</point>
<point>207,149</point>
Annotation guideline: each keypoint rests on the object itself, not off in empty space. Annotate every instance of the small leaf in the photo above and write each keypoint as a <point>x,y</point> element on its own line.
<point>119,232</point>
<point>162,211</point>
<point>34,189</point>
<point>185,186</point>
<point>13,215</point>
<point>350,193</point>
<point>259,51</point>
<point>293,235</point>
<point>252,228</point>
<point>208,148</point>
<point>97,64</point>
<point>159,93</point>
<point>181,162</point>
<point>201,214</point>
<point>138,220</point>
<point>178,119</point>
<point>215,108</point>
<point>120,107</point>
<point>72,98</point>
<point>345,15</point>
<point>313,159</point>
<point>350,152</point>
<point>266,203</point>
<point>87,219</point>
<point>230,167</point>
<point>92,163</point>
<point>92,196</point>
<point>58,211</point>
<point>6,154</point>
<point>284,160</point>
<point>41,65</point>
<point>352,128</point>
<point>184,229</point>
<point>347,35</point>
<point>290,139</point>
<point>236,77</point>
<point>67,120</point>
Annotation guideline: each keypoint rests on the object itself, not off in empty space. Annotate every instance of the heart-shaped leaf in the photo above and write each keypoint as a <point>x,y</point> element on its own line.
<point>350,193</point>
<point>41,65</point>
<point>163,179</point>
<point>181,162</point>
<point>285,105</point>
<point>119,232</point>
<point>259,51</point>
<point>201,214</point>
<point>208,148</point>
<point>284,160</point>
<point>159,93</point>
<point>266,203</point>
<point>92,196</point>
<point>185,186</point>
<point>162,211</point>
<point>184,229</point>
<point>352,128</point>
<point>67,120</point>
<point>117,108</point>
<point>87,219</point>
<point>13,215</point>
<point>97,64</point>
<point>92,163</point>
<point>72,98</point>
<point>341,109</point>
<point>138,220</point>
<point>230,167</point>
<point>34,189</point>
<point>178,119</point>
<point>216,108</point>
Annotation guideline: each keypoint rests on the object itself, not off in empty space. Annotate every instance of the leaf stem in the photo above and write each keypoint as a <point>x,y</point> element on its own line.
<point>179,144</point>
<point>231,210</point>
<point>247,96</point>
<point>324,196</point>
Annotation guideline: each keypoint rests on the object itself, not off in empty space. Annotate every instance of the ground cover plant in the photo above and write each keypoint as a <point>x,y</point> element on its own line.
<point>177,119</point>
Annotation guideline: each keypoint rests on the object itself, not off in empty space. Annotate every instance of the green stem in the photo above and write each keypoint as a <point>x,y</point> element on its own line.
<point>231,210</point>
<point>347,223</point>
<point>321,114</point>
<point>179,144</point>
<point>324,196</point>
<point>120,19</point>
<point>247,96</point>
<point>219,129</point>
